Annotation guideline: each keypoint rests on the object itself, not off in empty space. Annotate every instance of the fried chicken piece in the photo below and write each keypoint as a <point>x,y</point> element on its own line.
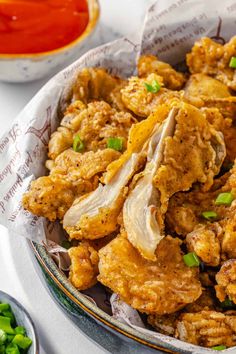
<point>94,123</point>
<point>84,266</point>
<point>160,287</point>
<point>71,175</point>
<point>95,84</point>
<point>207,328</point>
<point>226,280</point>
<point>149,64</point>
<point>49,196</point>
<point>96,215</point>
<point>228,242</point>
<point>227,127</point>
<point>60,140</point>
<point>205,243</point>
<point>193,154</point>
<point>211,58</point>
<point>140,101</point>
<point>185,209</point>
<point>167,324</point>
<point>204,91</point>
<point>73,166</point>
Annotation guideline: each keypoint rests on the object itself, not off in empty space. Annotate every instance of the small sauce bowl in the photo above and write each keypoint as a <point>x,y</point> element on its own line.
<point>29,67</point>
<point>22,319</point>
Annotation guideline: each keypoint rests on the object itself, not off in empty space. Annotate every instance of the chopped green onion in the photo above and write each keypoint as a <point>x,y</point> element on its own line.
<point>227,303</point>
<point>224,199</point>
<point>3,336</point>
<point>219,347</point>
<point>66,245</point>
<point>78,144</point>
<point>115,143</point>
<point>191,259</point>
<point>20,330</point>
<point>154,87</point>
<point>232,63</point>
<point>5,325</point>
<point>12,349</point>
<point>10,337</point>
<point>4,307</point>
<point>9,314</point>
<point>209,215</point>
<point>22,341</point>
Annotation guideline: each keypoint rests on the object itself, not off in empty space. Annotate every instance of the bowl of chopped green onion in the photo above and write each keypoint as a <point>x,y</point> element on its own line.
<point>17,331</point>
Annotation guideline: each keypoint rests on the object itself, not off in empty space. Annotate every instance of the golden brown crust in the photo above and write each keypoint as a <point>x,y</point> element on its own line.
<point>84,266</point>
<point>211,58</point>
<point>160,287</point>
<point>226,280</point>
<point>148,64</point>
<point>140,101</point>
<point>207,328</point>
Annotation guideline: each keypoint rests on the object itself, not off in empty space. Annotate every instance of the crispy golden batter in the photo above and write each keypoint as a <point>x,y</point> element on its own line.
<point>149,64</point>
<point>205,243</point>
<point>50,197</point>
<point>161,287</point>
<point>207,328</point>
<point>166,324</point>
<point>227,127</point>
<point>94,123</point>
<point>185,209</point>
<point>84,266</point>
<point>228,241</point>
<point>204,91</point>
<point>194,154</point>
<point>211,58</point>
<point>202,86</point>
<point>71,175</point>
<point>95,84</point>
<point>73,166</point>
<point>141,102</point>
<point>226,280</point>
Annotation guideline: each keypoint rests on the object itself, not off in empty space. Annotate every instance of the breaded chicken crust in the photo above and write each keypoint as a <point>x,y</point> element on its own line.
<point>148,64</point>
<point>211,58</point>
<point>84,266</point>
<point>207,328</point>
<point>226,281</point>
<point>163,286</point>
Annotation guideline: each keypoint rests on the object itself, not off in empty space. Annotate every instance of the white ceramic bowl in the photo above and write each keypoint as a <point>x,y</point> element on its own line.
<point>29,67</point>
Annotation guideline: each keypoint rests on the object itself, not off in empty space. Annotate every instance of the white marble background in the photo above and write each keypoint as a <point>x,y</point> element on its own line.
<point>17,276</point>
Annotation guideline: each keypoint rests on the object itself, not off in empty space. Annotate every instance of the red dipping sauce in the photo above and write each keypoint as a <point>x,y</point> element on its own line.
<point>35,26</point>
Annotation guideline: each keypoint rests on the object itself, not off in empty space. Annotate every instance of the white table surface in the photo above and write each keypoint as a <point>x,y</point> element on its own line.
<point>57,334</point>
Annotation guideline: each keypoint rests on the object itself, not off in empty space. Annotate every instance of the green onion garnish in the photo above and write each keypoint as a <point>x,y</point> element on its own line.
<point>3,337</point>
<point>78,144</point>
<point>115,143</point>
<point>191,259</point>
<point>209,215</point>
<point>232,63</point>
<point>227,303</point>
<point>22,341</point>
<point>13,338</point>
<point>219,347</point>
<point>224,199</point>
<point>12,349</point>
<point>154,87</point>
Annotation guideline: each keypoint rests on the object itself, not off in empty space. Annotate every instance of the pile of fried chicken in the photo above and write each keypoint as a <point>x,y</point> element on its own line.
<point>142,175</point>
